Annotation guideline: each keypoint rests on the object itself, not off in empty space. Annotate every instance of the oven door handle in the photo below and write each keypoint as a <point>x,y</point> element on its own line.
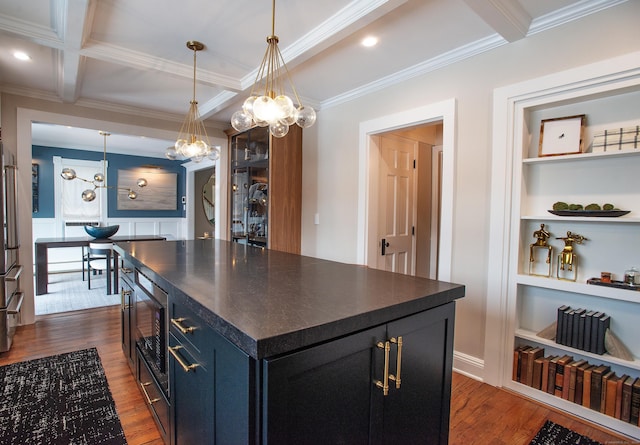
<point>150,401</point>
<point>185,367</point>
<point>16,303</point>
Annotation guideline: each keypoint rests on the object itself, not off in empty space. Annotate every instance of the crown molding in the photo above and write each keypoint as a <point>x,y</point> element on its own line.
<point>436,63</point>
<point>570,13</point>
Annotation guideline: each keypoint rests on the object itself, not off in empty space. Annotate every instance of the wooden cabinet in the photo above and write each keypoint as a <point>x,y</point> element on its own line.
<point>332,392</point>
<point>609,100</point>
<point>266,189</point>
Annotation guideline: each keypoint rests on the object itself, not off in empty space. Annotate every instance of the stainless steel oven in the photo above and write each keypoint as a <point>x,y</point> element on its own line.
<point>151,327</point>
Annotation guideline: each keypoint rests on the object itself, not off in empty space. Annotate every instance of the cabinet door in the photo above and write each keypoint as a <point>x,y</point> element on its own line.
<point>418,412</point>
<point>192,397</point>
<point>325,394</point>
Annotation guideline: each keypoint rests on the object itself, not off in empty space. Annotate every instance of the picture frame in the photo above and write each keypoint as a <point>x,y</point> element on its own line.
<point>562,136</point>
<point>161,192</point>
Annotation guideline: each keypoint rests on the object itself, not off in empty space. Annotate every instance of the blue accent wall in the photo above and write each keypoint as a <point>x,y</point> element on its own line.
<point>43,156</point>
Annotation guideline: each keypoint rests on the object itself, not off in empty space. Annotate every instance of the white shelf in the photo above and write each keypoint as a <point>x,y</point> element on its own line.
<point>631,296</point>
<point>531,336</point>
<point>579,410</point>
<point>598,220</point>
<point>581,157</point>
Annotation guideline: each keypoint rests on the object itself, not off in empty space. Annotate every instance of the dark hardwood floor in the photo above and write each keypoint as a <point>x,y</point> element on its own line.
<point>480,414</point>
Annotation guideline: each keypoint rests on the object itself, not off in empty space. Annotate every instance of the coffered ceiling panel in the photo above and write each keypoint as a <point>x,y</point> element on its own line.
<point>132,54</point>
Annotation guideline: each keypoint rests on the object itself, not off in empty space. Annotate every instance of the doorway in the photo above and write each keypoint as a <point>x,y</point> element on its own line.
<point>435,219</point>
<point>409,184</point>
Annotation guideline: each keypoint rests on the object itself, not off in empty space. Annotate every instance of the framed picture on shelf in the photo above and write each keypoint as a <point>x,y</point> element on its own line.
<point>561,136</point>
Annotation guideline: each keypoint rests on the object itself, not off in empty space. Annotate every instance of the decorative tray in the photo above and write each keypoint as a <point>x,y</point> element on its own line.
<point>591,213</point>
<point>616,284</point>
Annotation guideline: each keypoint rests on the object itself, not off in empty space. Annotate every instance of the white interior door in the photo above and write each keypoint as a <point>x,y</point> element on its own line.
<point>396,205</point>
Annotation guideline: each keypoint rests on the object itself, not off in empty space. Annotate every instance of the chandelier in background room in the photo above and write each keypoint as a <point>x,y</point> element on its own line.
<point>193,142</point>
<point>100,179</point>
<point>273,108</point>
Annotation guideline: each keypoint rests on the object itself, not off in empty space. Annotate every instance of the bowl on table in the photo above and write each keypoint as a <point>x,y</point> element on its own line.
<point>101,232</point>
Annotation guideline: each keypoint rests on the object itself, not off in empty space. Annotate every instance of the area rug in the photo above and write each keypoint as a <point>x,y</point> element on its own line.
<point>554,434</point>
<point>62,399</point>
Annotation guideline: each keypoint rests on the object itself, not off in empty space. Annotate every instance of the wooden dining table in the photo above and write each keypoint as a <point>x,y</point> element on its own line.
<point>42,246</point>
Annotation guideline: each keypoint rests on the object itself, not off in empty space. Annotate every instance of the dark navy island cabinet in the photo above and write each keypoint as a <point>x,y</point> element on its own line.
<point>268,348</point>
<point>325,394</point>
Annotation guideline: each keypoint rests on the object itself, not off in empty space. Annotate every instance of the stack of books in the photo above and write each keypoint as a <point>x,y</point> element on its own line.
<point>592,386</point>
<point>582,329</point>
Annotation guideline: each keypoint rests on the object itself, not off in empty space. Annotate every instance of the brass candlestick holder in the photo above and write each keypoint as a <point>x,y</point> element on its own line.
<point>541,236</point>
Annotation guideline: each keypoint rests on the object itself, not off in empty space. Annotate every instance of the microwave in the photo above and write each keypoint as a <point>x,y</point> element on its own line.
<point>151,325</point>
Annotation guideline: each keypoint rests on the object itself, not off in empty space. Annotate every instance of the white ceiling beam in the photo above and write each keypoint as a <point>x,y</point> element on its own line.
<point>507,17</point>
<point>74,22</point>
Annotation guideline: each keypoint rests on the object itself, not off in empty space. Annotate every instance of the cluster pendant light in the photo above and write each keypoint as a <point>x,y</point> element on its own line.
<point>100,179</point>
<point>193,142</point>
<point>273,108</point>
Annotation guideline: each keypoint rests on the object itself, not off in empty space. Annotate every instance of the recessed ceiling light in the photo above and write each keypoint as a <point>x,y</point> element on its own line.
<point>369,41</point>
<point>20,55</point>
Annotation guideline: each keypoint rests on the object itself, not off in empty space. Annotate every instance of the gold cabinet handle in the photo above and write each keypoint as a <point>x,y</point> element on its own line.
<point>177,322</point>
<point>396,378</point>
<point>146,394</point>
<point>126,269</point>
<point>385,383</point>
<point>185,367</point>
<point>124,293</point>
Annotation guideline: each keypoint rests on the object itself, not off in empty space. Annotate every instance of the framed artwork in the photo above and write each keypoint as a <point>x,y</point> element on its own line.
<point>161,192</point>
<point>561,136</point>
<point>35,189</point>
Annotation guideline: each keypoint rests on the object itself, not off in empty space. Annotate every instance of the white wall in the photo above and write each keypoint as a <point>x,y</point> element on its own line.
<point>471,83</point>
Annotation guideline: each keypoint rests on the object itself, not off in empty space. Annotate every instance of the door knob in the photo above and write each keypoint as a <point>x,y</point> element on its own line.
<point>385,244</point>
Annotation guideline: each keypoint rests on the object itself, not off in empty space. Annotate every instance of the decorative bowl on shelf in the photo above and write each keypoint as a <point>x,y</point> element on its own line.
<point>591,213</point>
<point>101,232</point>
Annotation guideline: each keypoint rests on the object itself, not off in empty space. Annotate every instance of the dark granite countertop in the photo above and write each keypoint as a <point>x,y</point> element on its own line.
<point>268,302</point>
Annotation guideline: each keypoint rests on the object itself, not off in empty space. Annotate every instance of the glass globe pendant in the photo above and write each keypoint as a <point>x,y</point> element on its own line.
<point>273,108</point>
<point>89,195</point>
<point>192,142</point>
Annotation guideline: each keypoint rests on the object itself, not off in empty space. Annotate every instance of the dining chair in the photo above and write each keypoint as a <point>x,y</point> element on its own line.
<point>100,259</point>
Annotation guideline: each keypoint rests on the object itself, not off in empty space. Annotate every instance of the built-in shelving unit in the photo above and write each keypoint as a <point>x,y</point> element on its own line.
<point>530,299</point>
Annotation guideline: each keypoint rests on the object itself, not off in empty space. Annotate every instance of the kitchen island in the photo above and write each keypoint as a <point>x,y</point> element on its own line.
<point>272,348</point>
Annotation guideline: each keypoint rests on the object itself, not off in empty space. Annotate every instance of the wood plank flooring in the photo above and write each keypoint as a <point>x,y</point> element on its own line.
<point>480,414</point>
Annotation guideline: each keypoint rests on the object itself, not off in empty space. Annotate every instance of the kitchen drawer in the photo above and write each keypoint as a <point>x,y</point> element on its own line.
<point>188,327</point>
<point>127,271</point>
<point>154,398</point>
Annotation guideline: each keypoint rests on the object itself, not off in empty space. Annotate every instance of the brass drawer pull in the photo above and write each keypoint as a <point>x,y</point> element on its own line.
<point>385,383</point>
<point>124,293</point>
<point>146,394</point>
<point>185,366</point>
<point>177,322</point>
<point>396,377</point>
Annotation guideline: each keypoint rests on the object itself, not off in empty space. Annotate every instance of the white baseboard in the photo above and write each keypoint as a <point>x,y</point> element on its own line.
<point>467,365</point>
